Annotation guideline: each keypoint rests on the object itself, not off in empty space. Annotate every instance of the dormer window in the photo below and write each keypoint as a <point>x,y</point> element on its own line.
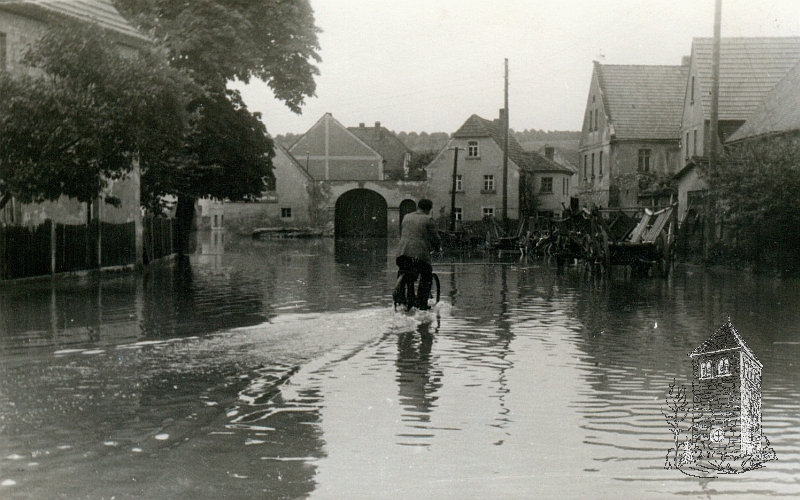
<point>723,367</point>
<point>705,369</point>
<point>472,149</point>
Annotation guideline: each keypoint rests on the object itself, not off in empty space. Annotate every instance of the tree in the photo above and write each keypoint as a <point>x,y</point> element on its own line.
<point>215,42</point>
<point>81,121</point>
<point>756,188</point>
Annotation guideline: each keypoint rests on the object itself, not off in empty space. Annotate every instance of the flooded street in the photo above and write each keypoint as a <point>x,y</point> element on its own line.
<point>278,369</point>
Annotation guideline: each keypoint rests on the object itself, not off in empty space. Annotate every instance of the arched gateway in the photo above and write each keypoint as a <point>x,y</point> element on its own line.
<point>360,213</point>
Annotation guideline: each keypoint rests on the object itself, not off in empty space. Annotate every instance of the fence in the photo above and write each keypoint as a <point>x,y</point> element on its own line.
<point>158,238</point>
<point>45,249</point>
<point>25,251</point>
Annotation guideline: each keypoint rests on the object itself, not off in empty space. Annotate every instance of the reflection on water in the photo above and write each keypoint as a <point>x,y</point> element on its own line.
<point>277,369</point>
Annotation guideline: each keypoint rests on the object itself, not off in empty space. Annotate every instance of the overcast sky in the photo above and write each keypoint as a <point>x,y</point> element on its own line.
<point>427,65</point>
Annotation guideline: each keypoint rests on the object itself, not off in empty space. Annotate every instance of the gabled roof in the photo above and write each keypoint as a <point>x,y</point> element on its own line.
<point>749,69</point>
<point>101,12</point>
<point>643,102</point>
<point>476,127</point>
<point>282,150</point>
<point>778,112</point>
<point>382,140</point>
<point>726,338</point>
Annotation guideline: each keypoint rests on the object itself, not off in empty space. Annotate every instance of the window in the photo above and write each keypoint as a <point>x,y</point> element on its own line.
<point>724,367</point>
<point>2,51</point>
<point>488,211</point>
<point>564,186</point>
<point>488,183</point>
<point>458,213</point>
<point>692,92</point>
<point>472,149</point>
<point>547,185</point>
<point>601,164</point>
<point>705,369</point>
<point>592,165</point>
<point>595,118</point>
<point>286,212</point>
<point>644,160</point>
<point>459,185</point>
<point>695,142</point>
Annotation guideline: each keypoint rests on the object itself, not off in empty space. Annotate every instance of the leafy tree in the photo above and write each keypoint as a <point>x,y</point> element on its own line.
<point>83,118</point>
<point>756,188</point>
<point>215,42</point>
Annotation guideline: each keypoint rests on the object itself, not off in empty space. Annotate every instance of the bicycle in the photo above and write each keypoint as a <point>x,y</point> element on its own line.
<point>404,293</point>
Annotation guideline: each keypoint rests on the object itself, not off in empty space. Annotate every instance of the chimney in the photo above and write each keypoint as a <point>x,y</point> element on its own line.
<point>686,60</point>
<point>549,152</point>
<point>361,125</point>
<point>378,131</point>
<point>502,116</point>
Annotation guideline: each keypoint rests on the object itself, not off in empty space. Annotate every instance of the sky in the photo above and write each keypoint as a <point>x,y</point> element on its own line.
<point>427,65</point>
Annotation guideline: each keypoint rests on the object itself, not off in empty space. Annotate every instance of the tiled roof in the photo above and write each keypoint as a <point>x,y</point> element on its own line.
<point>475,126</point>
<point>100,11</point>
<point>537,162</point>
<point>388,145</point>
<point>778,112</point>
<point>727,337</point>
<point>643,102</point>
<point>749,69</point>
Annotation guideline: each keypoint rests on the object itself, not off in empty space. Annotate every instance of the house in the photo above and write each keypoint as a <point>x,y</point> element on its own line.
<point>631,132</point>
<point>478,184</point>
<point>726,395</point>
<point>396,155</point>
<point>331,152</point>
<point>21,24</point>
<point>287,199</point>
<point>566,157</point>
<point>749,69</point>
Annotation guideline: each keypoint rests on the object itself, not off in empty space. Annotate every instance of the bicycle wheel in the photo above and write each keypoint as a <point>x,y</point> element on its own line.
<point>435,294</point>
<point>403,293</point>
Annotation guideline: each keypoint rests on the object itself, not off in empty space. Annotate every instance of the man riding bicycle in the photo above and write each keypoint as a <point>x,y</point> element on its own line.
<point>418,237</point>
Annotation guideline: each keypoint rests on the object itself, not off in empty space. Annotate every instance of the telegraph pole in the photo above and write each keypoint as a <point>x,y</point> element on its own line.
<point>453,191</point>
<point>713,128</point>
<point>505,152</point>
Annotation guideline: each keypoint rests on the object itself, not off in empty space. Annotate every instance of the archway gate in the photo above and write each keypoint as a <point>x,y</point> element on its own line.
<point>333,193</point>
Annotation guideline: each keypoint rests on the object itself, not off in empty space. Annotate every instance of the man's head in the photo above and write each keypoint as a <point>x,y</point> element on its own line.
<point>425,205</point>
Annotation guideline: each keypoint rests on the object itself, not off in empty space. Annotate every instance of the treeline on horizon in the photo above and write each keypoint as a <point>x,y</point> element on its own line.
<point>434,141</point>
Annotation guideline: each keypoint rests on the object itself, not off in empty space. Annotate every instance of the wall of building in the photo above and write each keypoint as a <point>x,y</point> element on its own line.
<point>624,165</point>
<point>472,198</point>
<point>689,181</point>
<point>556,200</point>
<point>716,403</point>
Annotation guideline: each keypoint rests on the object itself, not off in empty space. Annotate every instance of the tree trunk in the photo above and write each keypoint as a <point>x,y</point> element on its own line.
<point>184,218</point>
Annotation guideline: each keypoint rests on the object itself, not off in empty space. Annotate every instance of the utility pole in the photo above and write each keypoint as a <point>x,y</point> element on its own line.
<point>453,190</point>
<point>708,229</point>
<point>505,152</point>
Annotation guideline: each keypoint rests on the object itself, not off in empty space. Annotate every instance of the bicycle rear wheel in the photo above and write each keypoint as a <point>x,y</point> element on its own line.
<point>403,293</point>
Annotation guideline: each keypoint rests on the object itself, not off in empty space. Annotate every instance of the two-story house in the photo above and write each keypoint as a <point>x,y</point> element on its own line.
<point>631,132</point>
<point>750,68</point>
<point>534,182</point>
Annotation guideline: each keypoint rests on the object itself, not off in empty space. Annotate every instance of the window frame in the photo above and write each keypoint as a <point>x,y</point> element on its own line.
<point>459,183</point>
<point>600,165</point>
<point>488,211</point>
<point>472,149</point>
<point>488,184</point>
<point>723,364</point>
<point>542,185</point>
<point>286,213</point>
<point>644,160</point>
<point>459,213</point>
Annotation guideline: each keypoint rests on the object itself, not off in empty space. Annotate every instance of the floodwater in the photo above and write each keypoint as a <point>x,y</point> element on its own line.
<point>279,370</point>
